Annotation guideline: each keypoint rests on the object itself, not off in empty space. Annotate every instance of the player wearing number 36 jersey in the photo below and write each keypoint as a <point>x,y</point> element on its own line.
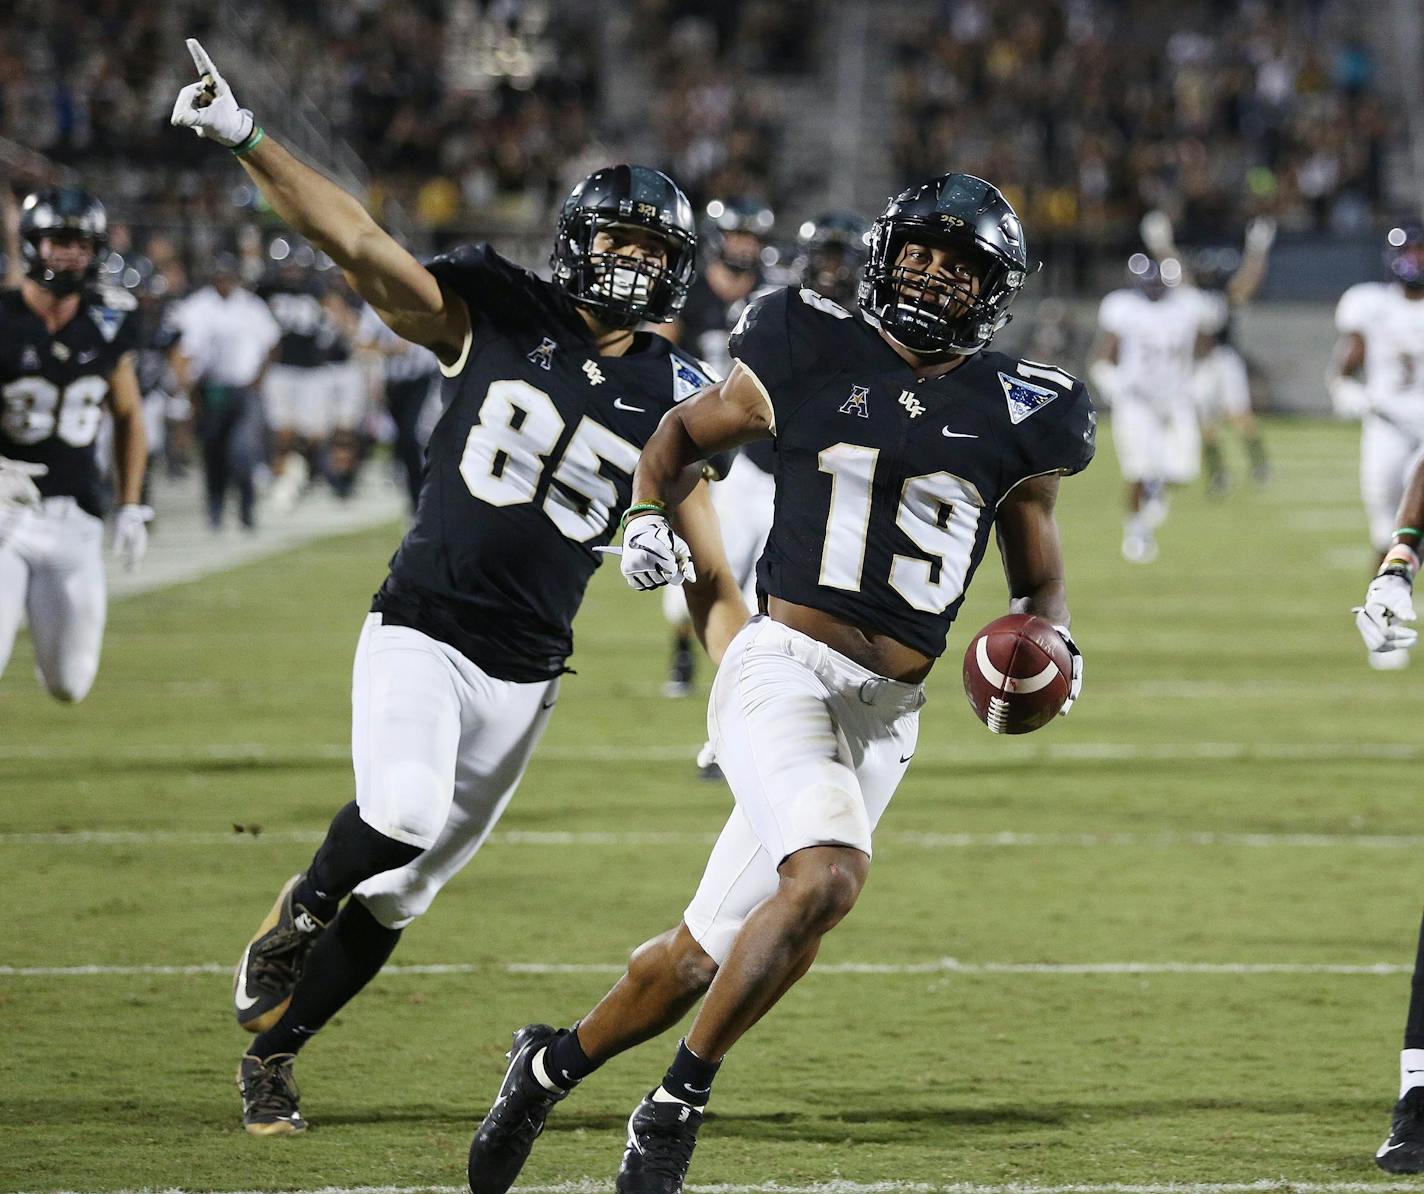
<point>552,389</point>
<point>66,355</point>
<point>899,445</point>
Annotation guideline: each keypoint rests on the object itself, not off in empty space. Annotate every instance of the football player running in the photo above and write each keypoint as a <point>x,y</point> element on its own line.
<point>1386,623</point>
<point>1143,368</point>
<point>901,445</point>
<point>66,355</point>
<point>1377,375</point>
<point>551,389</point>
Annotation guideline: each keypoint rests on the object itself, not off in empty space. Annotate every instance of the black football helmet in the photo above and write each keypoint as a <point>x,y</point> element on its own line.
<point>626,290</point>
<point>830,253</point>
<point>751,216</point>
<point>59,211</point>
<point>1404,254</point>
<point>928,314</point>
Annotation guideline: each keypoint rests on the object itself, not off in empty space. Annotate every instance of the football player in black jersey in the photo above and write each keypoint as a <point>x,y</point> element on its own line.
<point>901,444</point>
<point>66,355</point>
<point>551,390</point>
<point>734,236</point>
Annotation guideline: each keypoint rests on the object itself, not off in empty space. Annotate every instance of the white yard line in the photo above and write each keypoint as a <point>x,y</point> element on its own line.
<point>1005,839</point>
<point>935,966</point>
<point>589,1185</point>
<point>1004,753</point>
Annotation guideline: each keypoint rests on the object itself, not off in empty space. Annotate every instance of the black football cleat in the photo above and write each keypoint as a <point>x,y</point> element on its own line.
<point>661,1137</point>
<point>1403,1151</point>
<point>506,1135</point>
<point>269,1095</point>
<point>272,963</point>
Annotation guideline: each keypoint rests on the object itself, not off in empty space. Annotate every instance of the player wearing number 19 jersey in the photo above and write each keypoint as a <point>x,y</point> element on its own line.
<point>66,354</point>
<point>900,444</point>
<point>551,388</point>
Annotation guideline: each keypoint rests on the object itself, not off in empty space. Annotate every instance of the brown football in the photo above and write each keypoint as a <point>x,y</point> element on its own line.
<point>1017,672</point>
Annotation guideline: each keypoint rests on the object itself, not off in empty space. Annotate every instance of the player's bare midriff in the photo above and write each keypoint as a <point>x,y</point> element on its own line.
<point>880,653</point>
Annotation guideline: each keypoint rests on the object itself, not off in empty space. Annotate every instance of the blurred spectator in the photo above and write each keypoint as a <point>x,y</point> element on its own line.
<point>226,339</point>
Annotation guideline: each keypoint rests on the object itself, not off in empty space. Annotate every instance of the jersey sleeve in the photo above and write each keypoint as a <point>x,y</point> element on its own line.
<point>1356,309</point>
<point>489,285</point>
<point>783,335</point>
<point>1112,313</point>
<point>1066,438</point>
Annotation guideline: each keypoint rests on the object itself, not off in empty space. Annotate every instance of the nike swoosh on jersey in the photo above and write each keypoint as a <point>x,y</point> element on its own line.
<point>621,405</point>
<point>956,434</point>
<point>240,995</point>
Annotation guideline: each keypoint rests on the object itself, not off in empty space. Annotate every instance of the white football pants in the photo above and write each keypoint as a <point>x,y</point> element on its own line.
<point>52,570</point>
<point>1156,441</point>
<point>1388,452</point>
<point>813,746</point>
<point>439,747</point>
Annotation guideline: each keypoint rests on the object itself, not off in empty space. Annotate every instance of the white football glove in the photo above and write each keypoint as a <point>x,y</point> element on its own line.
<point>131,533</point>
<point>1384,617</point>
<point>653,556</point>
<point>17,482</point>
<point>208,106</point>
<point>1075,682</point>
<point>1349,397</point>
<point>1260,235</point>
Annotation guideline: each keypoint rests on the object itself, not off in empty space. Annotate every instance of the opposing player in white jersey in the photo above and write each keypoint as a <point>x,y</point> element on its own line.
<point>1378,375</point>
<point>1143,369</point>
<point>1227,280</point>
<point>66,354</point>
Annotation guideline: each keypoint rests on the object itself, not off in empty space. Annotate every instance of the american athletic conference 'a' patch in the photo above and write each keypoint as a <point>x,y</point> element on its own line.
<point>1024,397</point>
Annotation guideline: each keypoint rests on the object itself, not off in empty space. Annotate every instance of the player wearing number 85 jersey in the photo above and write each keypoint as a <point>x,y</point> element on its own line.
<point>551,389</point>
<point>66,354</point>
<point>900,444</point>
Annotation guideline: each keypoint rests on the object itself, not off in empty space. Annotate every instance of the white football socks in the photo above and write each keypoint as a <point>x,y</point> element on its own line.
<point>542,1075</point>
<point>1411,1070</point>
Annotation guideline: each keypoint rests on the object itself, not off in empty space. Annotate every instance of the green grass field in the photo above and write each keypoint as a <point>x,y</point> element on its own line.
<point>1235,791</point>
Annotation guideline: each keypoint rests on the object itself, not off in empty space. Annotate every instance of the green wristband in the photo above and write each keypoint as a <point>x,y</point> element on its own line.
<point>254,139</point>
<point>652,507</point>
<point>1415,531</point>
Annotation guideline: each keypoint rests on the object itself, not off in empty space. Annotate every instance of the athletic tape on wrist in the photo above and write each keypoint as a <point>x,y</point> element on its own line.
<point>254,139</point>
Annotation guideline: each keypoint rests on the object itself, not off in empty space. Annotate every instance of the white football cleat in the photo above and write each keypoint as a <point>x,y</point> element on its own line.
<point>1388,661</point>
<point>1139,547</point>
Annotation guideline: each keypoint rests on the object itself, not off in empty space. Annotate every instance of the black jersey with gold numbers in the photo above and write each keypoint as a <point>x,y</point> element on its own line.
<point>529,469</point>
<point>887,485</point>
<point>53,387</point>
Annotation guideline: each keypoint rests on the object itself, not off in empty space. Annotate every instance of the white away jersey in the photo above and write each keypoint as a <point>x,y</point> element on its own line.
<point>1156,342</point>
<point>1392,326</point>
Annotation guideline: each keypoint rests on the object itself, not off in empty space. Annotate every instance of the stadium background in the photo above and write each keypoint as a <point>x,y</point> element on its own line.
<point>1180,923</point>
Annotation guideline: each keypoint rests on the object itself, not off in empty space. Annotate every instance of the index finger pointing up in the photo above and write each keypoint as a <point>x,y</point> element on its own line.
<point>201,60</point>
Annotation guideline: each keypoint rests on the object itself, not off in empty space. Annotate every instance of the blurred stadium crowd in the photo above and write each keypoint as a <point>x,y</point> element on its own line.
<point>469,119</point>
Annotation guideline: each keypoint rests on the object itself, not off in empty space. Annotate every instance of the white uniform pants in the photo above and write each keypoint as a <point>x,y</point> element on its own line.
<point>439,747</point>
<point>813,746</point>
<point>1388,452</point>
<point>1156,441</point>
<point>52,570</point>
<point>1221,386</point>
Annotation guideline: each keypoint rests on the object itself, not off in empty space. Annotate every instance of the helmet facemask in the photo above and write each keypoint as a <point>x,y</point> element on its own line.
<point>1405,256</point>
<point>623,288</point>
<point>930,312</point>
<point>44,270</point>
